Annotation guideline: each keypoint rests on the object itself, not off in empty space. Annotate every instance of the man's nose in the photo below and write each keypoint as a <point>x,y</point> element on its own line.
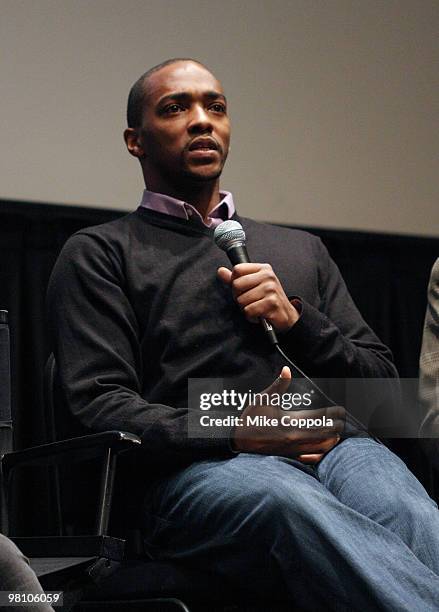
<point>200,120</point>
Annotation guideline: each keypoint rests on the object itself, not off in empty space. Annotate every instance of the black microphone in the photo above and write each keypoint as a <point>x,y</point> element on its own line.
<point>230,237</point>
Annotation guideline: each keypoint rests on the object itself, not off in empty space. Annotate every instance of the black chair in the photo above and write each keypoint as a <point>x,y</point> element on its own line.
<point>59,562</point>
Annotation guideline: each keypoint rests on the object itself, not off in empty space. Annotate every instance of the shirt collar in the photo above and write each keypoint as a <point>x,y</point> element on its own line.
<point>167,205</point>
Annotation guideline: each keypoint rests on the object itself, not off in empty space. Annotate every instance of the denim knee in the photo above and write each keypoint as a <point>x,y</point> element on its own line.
<point>274,505</point>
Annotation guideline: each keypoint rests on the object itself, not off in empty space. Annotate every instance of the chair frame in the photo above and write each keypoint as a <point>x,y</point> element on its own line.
<point>92,557</point>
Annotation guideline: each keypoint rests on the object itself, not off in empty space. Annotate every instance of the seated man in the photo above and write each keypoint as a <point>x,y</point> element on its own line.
<point>142,304</point>
<point>429,370</point>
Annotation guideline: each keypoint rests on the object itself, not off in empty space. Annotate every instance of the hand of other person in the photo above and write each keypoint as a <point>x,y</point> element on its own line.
<point>259,293</point>
<point>308,445</point>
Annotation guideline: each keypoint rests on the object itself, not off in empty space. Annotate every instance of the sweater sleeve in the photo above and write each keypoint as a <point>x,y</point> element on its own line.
<point>333,340</point>
<point>429,361</point>
<point>95,337</point>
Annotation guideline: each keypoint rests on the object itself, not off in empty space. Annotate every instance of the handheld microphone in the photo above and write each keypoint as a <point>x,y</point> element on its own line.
<point>230,237</point>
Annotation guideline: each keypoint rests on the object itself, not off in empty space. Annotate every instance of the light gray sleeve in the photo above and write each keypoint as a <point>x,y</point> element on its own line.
<point>17,575</point>
<point>429,363</point>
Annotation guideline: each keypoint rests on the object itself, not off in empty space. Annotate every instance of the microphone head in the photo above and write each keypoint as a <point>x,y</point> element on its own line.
<point>229,234</point>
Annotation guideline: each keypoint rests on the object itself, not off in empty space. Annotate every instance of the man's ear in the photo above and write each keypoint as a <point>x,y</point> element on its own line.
<point>133,142</point>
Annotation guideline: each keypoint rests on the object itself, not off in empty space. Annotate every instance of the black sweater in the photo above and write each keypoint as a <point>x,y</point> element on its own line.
<point>136,309</point>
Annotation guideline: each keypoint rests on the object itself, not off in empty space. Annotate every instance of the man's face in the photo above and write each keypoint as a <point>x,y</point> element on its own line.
<point>185,130</point>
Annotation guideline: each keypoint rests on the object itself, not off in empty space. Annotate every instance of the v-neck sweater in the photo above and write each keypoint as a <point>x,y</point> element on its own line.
<point>136,309</point>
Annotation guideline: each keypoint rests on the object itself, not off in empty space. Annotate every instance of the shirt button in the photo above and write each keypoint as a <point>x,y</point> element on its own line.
<point>189,212</point>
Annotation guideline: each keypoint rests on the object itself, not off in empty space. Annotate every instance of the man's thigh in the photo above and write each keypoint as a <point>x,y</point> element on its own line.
<point>217,502</point>
<point>227,515</point>
<point>367,477</point>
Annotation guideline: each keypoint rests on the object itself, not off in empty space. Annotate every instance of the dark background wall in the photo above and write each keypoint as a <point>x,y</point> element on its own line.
<point>387,276</point>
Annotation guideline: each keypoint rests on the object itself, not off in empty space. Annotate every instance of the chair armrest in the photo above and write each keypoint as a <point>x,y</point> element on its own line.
<point>72,450</point>
<point>72,546</point>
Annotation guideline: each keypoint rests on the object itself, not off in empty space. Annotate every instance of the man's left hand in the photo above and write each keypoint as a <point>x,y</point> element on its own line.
<point>259,293</point>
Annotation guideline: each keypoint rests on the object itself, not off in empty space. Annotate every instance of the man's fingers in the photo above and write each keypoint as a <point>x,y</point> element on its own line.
<point>244,269</point>
<point>310,458</point>
<point>318,447</point>
<point>285,373</point>
<point>281,384</point>
<point>336,413</point>
<point>225,275</point>
<point>314,456</point>
<point>242,284</point>
<point>243,272</point>
<point>306,431</point>
<point>251,296</point>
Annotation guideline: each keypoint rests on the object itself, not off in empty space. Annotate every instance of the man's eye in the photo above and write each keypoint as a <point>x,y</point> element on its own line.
<point>218,107</point>
<point>172,108</point>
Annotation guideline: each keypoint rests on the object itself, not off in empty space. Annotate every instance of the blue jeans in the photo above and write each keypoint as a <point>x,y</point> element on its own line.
<point>356,533</point>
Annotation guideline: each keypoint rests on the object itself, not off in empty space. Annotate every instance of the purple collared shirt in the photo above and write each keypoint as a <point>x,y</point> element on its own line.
<point>177,208</point>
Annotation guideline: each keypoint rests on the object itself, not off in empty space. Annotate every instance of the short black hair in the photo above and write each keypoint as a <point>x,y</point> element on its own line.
<point>136,97</point>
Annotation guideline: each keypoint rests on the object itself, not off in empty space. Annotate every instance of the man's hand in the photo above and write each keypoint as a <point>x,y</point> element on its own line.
<point>259,293</point>
<point>308,445</point>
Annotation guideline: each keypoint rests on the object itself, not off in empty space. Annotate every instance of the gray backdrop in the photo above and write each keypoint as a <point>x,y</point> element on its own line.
<point>333,103</point>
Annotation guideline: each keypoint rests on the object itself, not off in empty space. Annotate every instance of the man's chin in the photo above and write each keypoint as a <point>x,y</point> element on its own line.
<point>205,176</point>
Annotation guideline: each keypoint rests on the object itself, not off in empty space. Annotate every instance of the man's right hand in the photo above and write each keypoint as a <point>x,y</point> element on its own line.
<point>308,445</point>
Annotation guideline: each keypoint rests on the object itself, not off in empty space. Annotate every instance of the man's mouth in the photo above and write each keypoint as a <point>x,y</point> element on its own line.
<point>203,144</point>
